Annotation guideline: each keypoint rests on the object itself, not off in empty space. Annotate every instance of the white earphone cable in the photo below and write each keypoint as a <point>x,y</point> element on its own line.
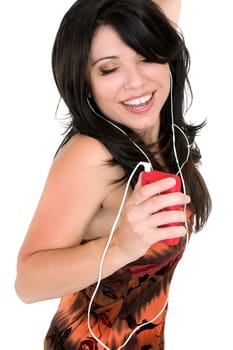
<point>105,252</point>
<point>180,167</point>
<point>147,167</point>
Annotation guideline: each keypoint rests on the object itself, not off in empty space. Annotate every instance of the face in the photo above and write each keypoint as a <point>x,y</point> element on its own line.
<point>125,86</point>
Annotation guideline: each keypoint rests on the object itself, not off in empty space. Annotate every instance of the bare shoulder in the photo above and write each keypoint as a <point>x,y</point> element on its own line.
<point>87,159</point>
<point>85,148</point>
<point>77,185</point>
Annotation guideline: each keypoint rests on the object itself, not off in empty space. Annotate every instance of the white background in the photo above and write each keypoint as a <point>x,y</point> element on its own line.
<point>201,296</point>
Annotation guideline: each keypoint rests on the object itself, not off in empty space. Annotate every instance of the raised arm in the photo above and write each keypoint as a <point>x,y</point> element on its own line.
<point>171,8</point>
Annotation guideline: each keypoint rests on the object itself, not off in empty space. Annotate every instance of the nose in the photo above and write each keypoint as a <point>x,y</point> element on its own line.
<point>133,77</point>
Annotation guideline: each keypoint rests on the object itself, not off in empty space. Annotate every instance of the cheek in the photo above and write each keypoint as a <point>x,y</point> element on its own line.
<point>104,91</point>
<point>102,96</point>
<point>161,75</point>
<point>164,80</point>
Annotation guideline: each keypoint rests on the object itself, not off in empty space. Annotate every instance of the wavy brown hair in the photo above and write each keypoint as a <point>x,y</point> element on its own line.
<point>144,27</point>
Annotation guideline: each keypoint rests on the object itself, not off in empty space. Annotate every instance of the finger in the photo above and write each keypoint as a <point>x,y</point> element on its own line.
<point>142,193</point>
<point>165,201</point>
<point>167,217</point>
<point>139,182</point>
<point>171,232</point>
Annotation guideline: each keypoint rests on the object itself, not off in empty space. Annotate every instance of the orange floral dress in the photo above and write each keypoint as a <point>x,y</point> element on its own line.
<point>127,299</point>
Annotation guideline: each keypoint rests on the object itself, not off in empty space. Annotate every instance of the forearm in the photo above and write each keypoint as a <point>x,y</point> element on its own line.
<point>171,8</point>
<point>55,273</point>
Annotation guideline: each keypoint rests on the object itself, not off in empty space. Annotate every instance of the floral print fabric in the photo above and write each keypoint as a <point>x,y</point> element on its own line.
<point>130,297</point>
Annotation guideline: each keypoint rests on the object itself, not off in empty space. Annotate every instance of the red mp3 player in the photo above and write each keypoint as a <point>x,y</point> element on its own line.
<point>155,175</point>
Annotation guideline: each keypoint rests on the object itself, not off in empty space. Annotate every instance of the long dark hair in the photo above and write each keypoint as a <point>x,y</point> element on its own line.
<point>144,27</point>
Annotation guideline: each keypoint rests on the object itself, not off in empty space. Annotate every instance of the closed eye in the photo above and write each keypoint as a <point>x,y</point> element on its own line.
<point>108,71</point>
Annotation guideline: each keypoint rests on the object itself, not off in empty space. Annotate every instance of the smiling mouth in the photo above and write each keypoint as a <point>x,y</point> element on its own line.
<point>139,102</point>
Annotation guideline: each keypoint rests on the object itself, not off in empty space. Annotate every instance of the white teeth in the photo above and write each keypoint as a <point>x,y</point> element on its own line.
<point>138,101</point>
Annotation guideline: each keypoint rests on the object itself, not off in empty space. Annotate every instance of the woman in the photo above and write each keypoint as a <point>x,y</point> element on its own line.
<point>121,68</point>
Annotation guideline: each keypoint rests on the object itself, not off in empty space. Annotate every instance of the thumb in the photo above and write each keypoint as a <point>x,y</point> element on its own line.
<point>139,182</point>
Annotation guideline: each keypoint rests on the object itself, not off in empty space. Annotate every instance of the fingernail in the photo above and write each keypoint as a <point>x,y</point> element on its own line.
<point>171,181</point>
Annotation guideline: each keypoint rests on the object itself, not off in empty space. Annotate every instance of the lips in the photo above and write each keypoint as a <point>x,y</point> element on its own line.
<point>139,104</point>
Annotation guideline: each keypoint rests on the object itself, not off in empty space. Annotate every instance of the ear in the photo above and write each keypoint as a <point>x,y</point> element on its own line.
<point>88,91</point>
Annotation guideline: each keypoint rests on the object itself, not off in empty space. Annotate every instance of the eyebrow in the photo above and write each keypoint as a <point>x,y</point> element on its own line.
<point>105,58</point>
